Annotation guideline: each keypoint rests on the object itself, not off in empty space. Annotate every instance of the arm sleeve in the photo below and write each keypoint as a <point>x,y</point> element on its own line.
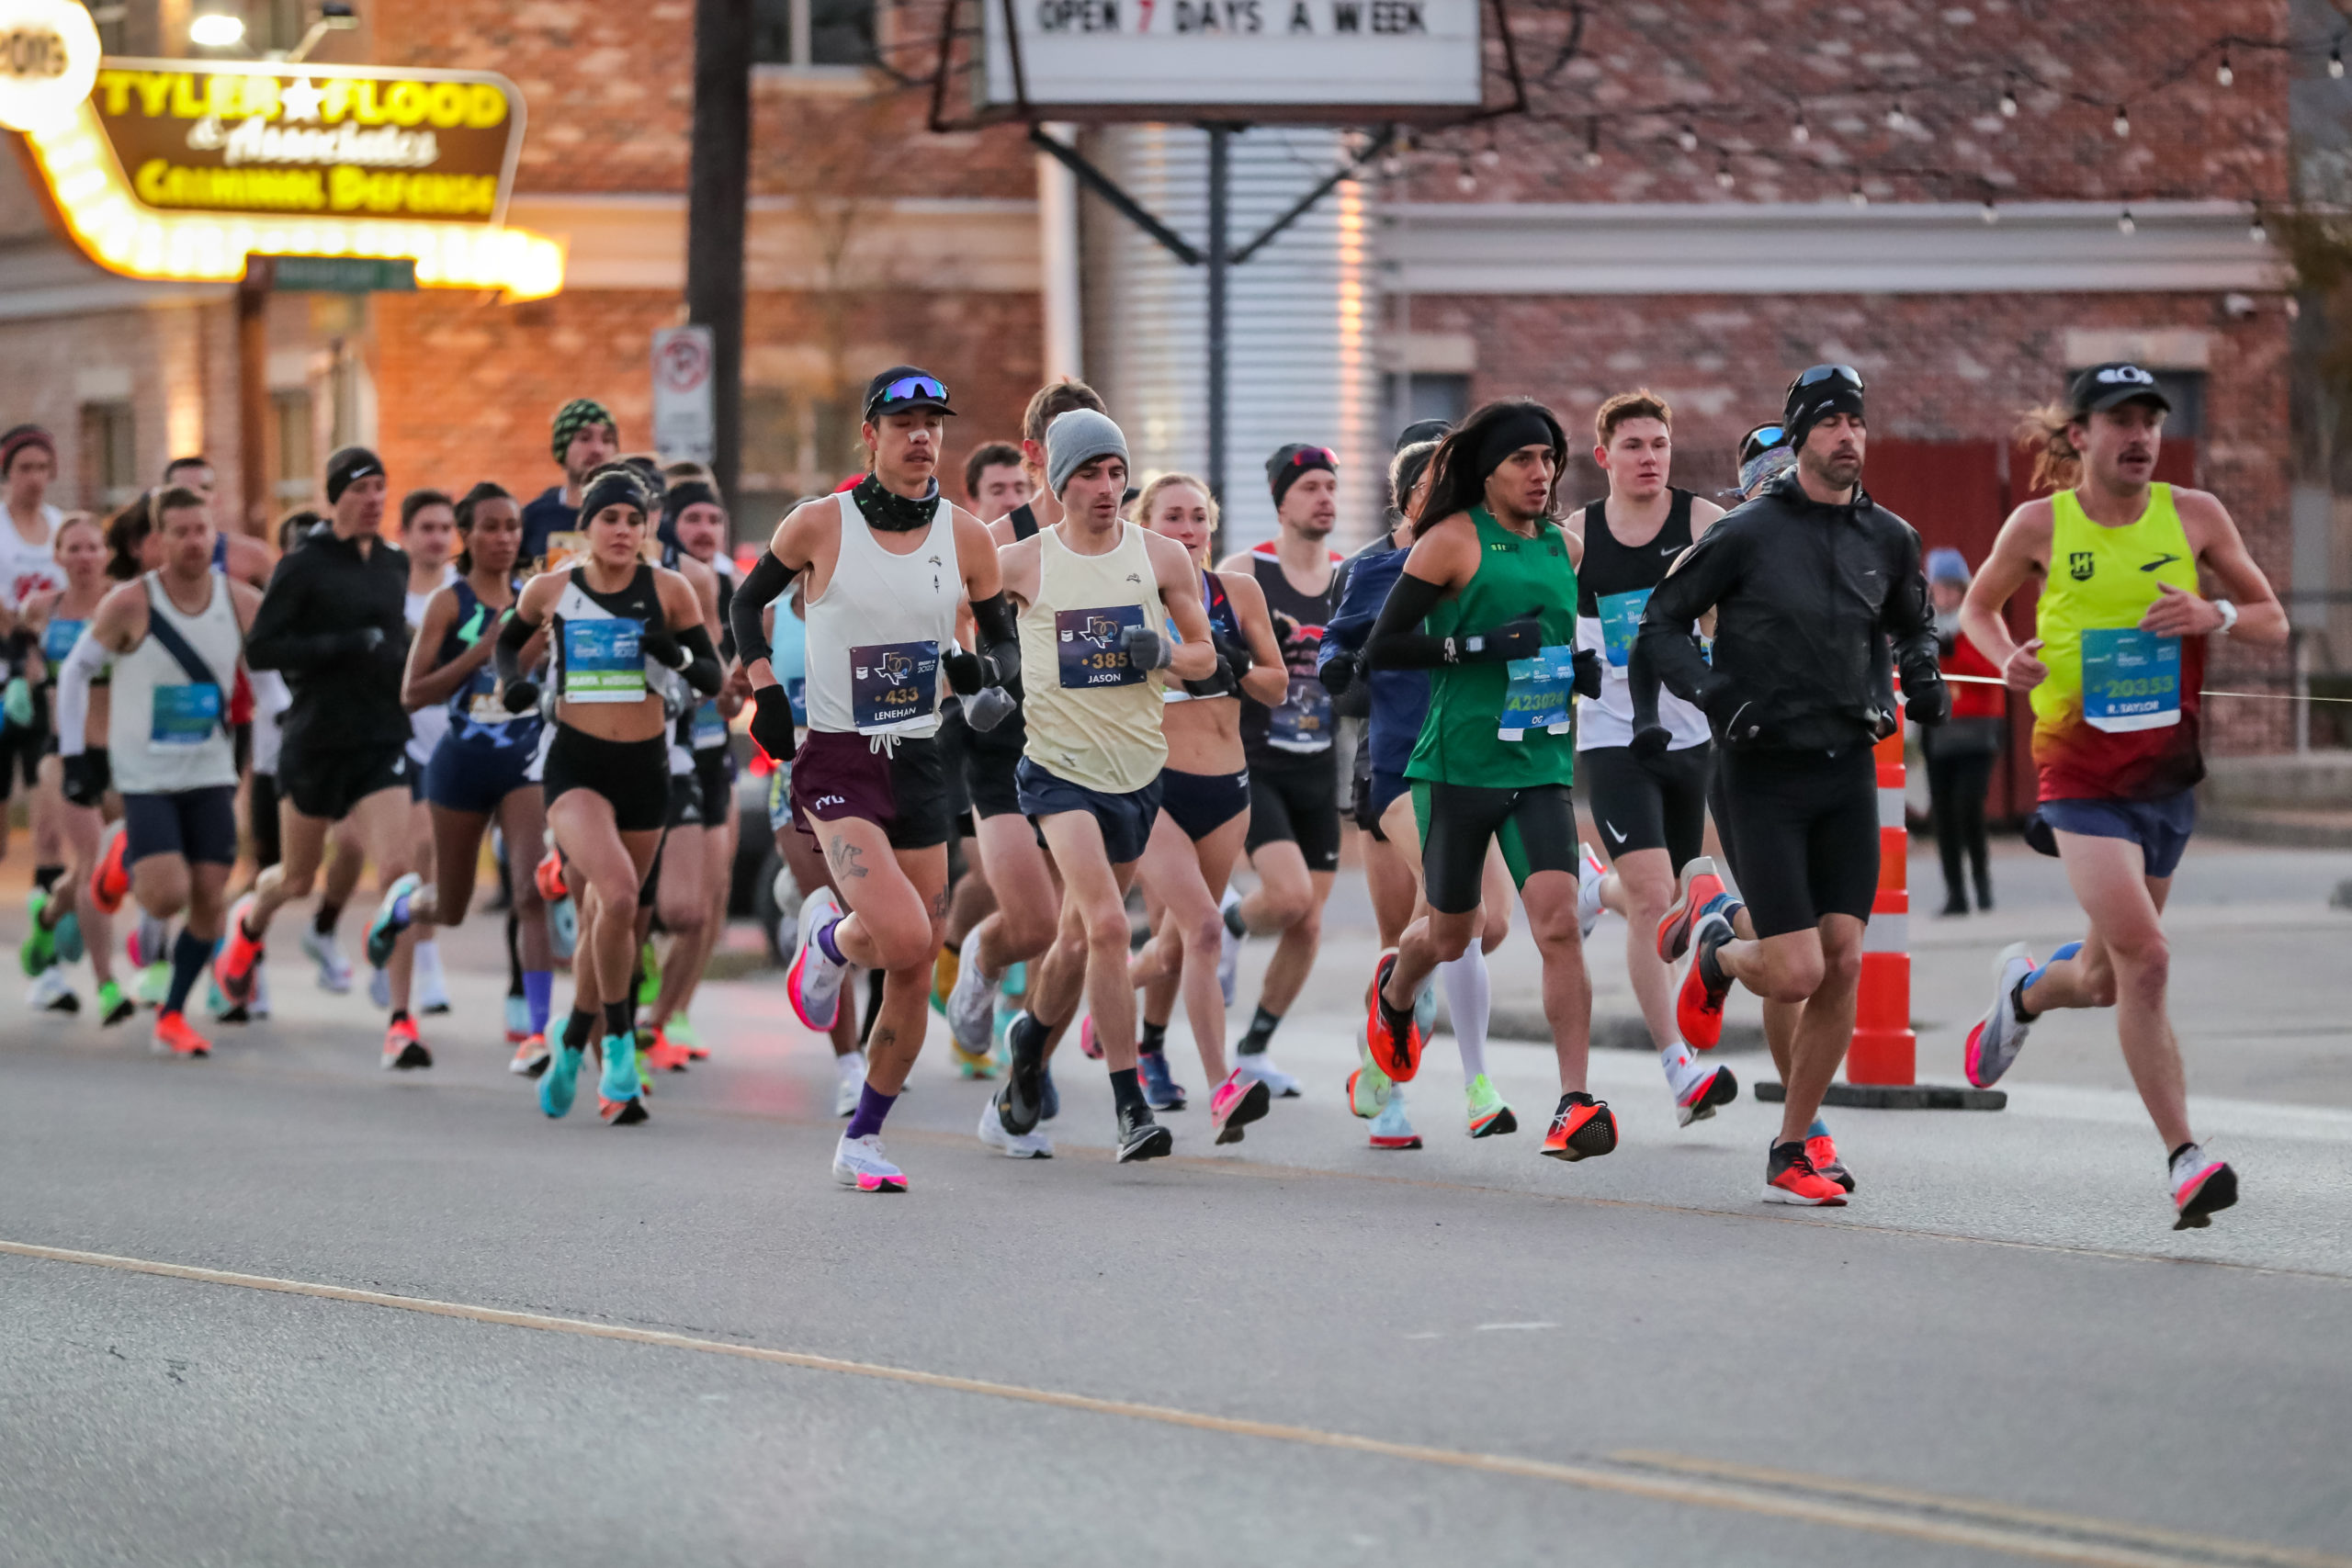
<point>275,643</point>
<point>508,655</point>
<point>1663,651</point>
<point>73,680</point>
<point>1000,638</point>
<point>726,617</point>
<point>1397,641</point>
<point>767,581</point>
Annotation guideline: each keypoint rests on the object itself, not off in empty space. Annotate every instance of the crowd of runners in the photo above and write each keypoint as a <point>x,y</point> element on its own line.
<point>1021,744</point>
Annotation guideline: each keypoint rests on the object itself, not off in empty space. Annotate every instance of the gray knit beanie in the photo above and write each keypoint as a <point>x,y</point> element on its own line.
<point>1076,439</point>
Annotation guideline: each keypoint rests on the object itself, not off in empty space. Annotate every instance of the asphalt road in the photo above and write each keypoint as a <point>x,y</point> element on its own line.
<point>441,1329</point>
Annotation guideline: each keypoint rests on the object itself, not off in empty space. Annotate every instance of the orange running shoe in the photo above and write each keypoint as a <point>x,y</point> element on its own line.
<point>1788,1177</point>
<point>1394,1037</point>
<point>1581,1128</point>
<point>530,1056</point>
<point>667,1056</point>
<point>1699,886</point>
<point>1698,1006</point>
<point>175,1038</point>
<point>235,967</point>
<point>1822,1150</point>
<point>110,878</point>
<point>550,876</point>
<point>402,1049</point>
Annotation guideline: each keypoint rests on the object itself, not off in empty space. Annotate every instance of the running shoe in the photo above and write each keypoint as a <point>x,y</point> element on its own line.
<point>561,1081</point>
<point>380,988</point>
<point>1392,1037</point>
<point>1699,1008</point>
<point>432,984</point>
<point>1590,871</point>
<point>2201,1188</point>
<point>391,918</point>
<point>969,1002</point>
<point>945,965</point>
<point>154,983</point>
<point>1021,1102</point>
<point>1049,1098</point>
<point>2000,1034</point>
<point>618,1084</point>
<point>1023,1146</point>
<point>1699,885</point>
<point>648,968</point>
<point>113,1005</point>
<point>971,1063</point>
<point>1260,1066</point>
<point>258,1006</point>
<point>174,1038</point>
<point>643,1044</point>
<point>1392,1129</point>
<point>335,965</point>
<point>666,1054</point>
<point>860,1163</point>
<point>1088,1046</point>
<point>135,950</point>
<point>38,949</point>
<point>850,1071</point>
<point>623,1112</point>
<point>1368,1087</point>
<point>549,875</point>
<point>67,935</point>
<point>518,1021</point>
<point>531,1057</point>
<point>402,1049</point>
<point>682,1030</point>
<point>1582,1128</point>
<point>1160,1089</point>
<point>110,877</point>
<point>1237,1102</point>
<point>1790,1177</point>
<point>1822,1150</point>
<point>1698,1090</point>
<point>563,930</point>
<point>1229,952</point>
<point>51,992</point>
<point>1142,1138</point>
<point>813,984</point>
<point>1489,1116</point>
<point>239,953</point>
<point>220,1007</point>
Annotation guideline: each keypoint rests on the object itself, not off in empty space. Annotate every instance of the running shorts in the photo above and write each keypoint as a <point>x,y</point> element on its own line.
<point>2160,827</point>
<point>197,825</point>
<point>1536,828</point>
<point>328,781</point>
<point>632,775</point>
<point>1654,802</point>
<point>715,776</point>
<point>1800,829</point>
<point>1295,799</point>
<point>21,751</point>
<point>261,821</point>
<point>1199,803</point>
<point>901,789</point>
<point>1125,819</point>
<point>955,746</point>
<point>1379,792</point>
<point>685,807</point>
<point>989,764</point>
<point>474,776</point>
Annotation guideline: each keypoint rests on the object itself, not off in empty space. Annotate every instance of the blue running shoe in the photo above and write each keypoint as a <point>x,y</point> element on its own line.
<point>391,918</point>
<point>1050,1099</point>
<point>619,1081</point>
<point>563,929</point>
<point>561,1081</point>
<point>518,1020</point>
<point>1160,1091</point>
<point>68,937</point>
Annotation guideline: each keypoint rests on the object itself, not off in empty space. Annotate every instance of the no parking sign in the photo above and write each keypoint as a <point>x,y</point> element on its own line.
<point>684,426</point>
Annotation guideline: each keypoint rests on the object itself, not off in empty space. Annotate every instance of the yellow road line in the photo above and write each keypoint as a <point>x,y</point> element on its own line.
<point>2050,1537</point>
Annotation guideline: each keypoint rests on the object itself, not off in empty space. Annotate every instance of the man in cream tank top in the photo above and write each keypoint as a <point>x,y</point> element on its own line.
<point>2114,668</point>
<point>1094,592</point>
<point>175,637</point>
<point>885,565</point>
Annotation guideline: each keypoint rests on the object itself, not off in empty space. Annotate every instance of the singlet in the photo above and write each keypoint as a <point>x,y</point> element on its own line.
<point>1302,724</point>
<point>2117,719</point>
<point>702,727</point>
<point>1222,622</point>
<point>1093,717</point>
<point>28,570</point>
<point>875,635</point>
<point>164,733</point>
<point>426,725</point>
<point>57,640</point>
<point>597,643</point>
<point>475,716</point>
<point>1613,586</point>
<point>1474,706</point>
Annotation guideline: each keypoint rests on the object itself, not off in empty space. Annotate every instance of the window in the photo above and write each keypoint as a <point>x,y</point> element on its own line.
<point>803,33</point>
<point>294,480</point>
<point>794,443</point>
<point>1405,400</point>
<point>109,454</point>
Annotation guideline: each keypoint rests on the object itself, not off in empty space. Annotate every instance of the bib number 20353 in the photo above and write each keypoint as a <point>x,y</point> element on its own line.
<point>2131,680</point>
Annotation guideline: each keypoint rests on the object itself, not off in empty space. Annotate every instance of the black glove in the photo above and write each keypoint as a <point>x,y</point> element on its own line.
<point>772,721</point>
<point>1650,740</point>
<point>1521,639</point>
<point>520,696</point>
<point>1236,654</point>
<point>1339,672</point>
<point>658,645</point>
<point>1146,649</point>
<point>1927,703</point>
<point>1217,682</point>
<point>85,778</point>
<point>964,677</point>
<point>365,639</point>
<point>990,707</point>
<point>1883,723</point>
<point>1588,672</point>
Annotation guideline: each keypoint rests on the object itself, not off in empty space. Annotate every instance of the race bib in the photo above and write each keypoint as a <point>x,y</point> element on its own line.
<point>1620,621</point>
<point>1303,722</point>
<point>710,729</point>
<point>603,662</point>
<point>1538,694</point>
<point>1087,645</point>
<point>58,641</point>
<point>796,691</point>
<point>184,715</point>
<point>2131,680</point>
<point>891,682</point>
<point>780,798</point>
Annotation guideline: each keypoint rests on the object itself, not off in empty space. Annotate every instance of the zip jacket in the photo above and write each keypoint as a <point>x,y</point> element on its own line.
<point>1400,698</point>
<point>322,601</point>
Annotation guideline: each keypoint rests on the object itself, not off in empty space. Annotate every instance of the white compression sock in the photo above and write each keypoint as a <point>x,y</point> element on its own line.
<point>1469,997</point>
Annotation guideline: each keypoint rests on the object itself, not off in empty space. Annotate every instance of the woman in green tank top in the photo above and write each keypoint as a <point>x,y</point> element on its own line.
<point>1487,605</point>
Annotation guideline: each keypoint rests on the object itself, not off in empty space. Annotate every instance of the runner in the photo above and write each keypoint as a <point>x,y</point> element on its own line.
<point>28,566</point>
<point>2115,668</point>
<point>175,638</point>
<point>584,439</point>
<point>1806,583</point>
<point>479,767</point>
<point>429,538</point>
<point>1294,840</point>
<point>1494,577</point>
<point>1651,810</point>
<point>995,481</point>
<point>234,552</point>
<point>887,564</point>
<point>1094,590</point>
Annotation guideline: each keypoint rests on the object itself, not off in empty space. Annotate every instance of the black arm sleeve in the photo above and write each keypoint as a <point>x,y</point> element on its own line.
<point>765,584</point>
<point>507,656</point>
<point>1397,641</point>
<point>1000,638</point>
<point>701,668</point>
<point>726,616</point>
<point>1663,650</point>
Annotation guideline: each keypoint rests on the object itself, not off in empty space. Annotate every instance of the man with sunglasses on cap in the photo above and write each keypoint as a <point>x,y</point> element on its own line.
<point>888,564</point>
<point>1806,582</point>
<point>2121,633</point>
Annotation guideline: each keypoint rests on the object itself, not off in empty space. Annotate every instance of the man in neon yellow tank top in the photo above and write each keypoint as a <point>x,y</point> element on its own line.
<point>2114,670</point>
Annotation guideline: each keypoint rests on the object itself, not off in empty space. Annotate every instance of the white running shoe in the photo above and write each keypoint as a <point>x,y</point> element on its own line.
<point>1260,1067</point>
<point>335,968</point>
<point>2000,1034</point>
<point>1228,950</point>
<point>431,984</point>
<point>2200,1185</point>
<point>851,1069</point>
<point>1012,1146</point>
<point>860,1163</point>
<point>1590,872</point>
<point>257,1005</point>
<point>154,983</point>
<point>50,992</point>
<point>813,984</point>
<point>1698,1087</point>
<point>971,1005</point>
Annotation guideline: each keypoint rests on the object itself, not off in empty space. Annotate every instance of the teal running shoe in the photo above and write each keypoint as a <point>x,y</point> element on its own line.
<point>391,918</point>
<point>68,937</point>
<point>619,1081</point>
<point>561,1081</point>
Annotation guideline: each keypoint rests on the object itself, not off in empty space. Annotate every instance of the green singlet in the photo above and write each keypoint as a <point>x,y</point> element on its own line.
<point>1471,705</point>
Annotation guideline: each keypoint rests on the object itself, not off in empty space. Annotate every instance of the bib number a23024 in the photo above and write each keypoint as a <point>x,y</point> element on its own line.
<point>1538,693</point>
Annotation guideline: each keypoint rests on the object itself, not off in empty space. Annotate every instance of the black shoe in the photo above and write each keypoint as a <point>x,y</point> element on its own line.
<point>1983,898</point>
<point>1954,904</point>
<point>1141,1137</point>
<point>1022,1101</point>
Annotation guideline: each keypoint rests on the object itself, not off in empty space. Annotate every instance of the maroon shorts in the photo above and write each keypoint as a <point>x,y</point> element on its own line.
<point>901,789</point>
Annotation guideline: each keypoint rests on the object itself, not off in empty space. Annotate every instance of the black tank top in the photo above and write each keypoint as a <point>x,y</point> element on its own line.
<point>1611,568</point>
<point>1023,521</point>
<point>1302,724</point>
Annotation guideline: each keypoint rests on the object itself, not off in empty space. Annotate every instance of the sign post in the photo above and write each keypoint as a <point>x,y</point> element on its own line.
<point>684,426</point>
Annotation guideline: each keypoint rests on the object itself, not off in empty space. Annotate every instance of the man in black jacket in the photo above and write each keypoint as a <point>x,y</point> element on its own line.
<point>1807,582</point>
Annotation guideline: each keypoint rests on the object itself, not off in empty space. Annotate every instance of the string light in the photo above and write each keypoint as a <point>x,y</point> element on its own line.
<point>2122,121</point>
<point>1592,142</point>
<point>2123,225</point>
<point>1988,212</point>
<point>2256,233</point>
<point>1896,119</point>
<point>1465,181</point>
<point>2009,97</point>
<point>1798,132</point>
<point>1858,197</point>
<point>1724,177</point>
<point>2335,62</point>
<point>1689,138</point>
<point>2222,73</point>
<point>1490,157</point>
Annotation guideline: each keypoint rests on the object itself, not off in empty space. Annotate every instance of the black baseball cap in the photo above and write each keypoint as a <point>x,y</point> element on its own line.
<point>1422,430</point>
<point>904,386</point>
<point>2118,381</point>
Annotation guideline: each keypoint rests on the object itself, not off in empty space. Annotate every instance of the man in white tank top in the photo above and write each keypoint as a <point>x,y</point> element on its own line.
<point>28,566</point>
<point>886,566</point>
<point>1094,593</point>
<point>175,637</point>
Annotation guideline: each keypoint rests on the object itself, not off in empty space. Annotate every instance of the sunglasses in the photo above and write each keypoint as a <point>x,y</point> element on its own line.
<point>1761,439</point>
<point>909,387</point>
<point>1843,374</point>
<point>1306,455</point>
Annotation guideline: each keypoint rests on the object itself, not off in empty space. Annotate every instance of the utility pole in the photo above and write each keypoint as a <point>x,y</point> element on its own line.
<point>717,185</point>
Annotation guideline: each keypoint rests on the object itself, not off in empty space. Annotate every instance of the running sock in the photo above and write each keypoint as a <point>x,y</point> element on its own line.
<point>400,1015</point>
<point>323,921</point>
<point>1154,1038</point>
<point>873,1107</point>
<point>1469,996</point>
<point>190,954</point>
<point>45,877</point>
<point>616,1021</point>
<point>1126,1092</point>
<point>1677,1058</point>
<point>1231,914</point>
<point>1710,970</point>
<point>2017,993</point>
<point>578,1028</point>
<point>539,996</point>
<point>827,946</point>
<point>1820,1129</point>
<point>1262,1031</point>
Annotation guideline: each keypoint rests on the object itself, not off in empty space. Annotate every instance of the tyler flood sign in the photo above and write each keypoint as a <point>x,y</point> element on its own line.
<point>1121,55</point>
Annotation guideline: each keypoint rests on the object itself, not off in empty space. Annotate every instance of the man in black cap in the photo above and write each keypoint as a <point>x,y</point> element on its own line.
<point>1806,582</point>
<point>334,619</point>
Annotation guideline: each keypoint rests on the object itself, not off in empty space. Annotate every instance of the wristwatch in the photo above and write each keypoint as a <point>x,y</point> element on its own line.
<point>2229,616</point>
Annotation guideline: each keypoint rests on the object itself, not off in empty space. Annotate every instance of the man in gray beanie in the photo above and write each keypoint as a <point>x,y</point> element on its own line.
<point>1078,438</point>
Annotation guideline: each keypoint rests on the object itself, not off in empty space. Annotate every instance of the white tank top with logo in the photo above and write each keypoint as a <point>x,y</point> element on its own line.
<point>164,731</point>
<point>875,635</point>
<point>428,724</point>
<point>29,569</point>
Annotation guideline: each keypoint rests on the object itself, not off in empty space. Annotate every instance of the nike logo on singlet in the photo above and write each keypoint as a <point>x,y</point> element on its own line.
<point>2160,561</point>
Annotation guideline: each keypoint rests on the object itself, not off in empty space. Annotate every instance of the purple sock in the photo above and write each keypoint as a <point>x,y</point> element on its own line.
<point>825,945</point>
<point>873,1105</point>
<point>538,997</point>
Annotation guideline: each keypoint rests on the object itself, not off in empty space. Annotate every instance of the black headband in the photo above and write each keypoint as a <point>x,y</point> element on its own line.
<point>1520,427</point>
<point>686,493</point>
<point>612,487</point>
